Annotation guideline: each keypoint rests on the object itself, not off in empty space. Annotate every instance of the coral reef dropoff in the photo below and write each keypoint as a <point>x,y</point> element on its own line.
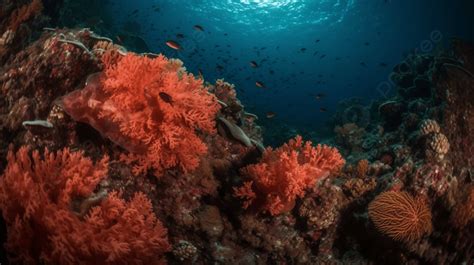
<point>101,162</point>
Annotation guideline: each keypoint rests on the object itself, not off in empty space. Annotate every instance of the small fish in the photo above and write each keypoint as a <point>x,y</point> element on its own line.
<point>315,53</point>
<point>134,12</point>
<point>179,36</point>
<point>253,64</point>
<point>219,67</point>
<point>198,28</point>
<point>322,109</point>
<point>322,56</point>
<point>270,114</point>
<point>166,97</point>
<point>317,40</point>
<point>363,64</point>
<point>119,40</point>
<point>200,74</point>
<point>303,49</point>
<point>260,84</point>
<point>173,45</point>
<point>367,43</point>
<point>382,64</point>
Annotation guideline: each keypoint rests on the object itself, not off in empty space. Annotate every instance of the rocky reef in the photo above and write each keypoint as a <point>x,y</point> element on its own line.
<point>113,157</point>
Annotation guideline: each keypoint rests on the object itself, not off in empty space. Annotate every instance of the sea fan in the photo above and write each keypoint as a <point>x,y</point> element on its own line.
<point>401,216</point>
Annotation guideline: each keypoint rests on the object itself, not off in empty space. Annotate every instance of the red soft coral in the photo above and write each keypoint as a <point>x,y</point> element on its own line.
<point>37,197</point>
<point>152,108</point>
<point>285,173</point>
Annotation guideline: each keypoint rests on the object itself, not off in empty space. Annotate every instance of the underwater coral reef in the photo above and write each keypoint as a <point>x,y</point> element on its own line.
<point>113,157</point>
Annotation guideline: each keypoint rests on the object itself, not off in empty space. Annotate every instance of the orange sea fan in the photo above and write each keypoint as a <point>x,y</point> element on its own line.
<point>401,216</point>
<point>285,173</point>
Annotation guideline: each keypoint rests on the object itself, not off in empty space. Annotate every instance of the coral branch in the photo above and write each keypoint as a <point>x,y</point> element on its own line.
<point>152,108</point>
<point>285,173</point>
<point>36,196</point>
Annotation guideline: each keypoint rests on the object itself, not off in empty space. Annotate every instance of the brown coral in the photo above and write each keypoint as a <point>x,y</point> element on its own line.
<point>25,13</point>
<point>7,37</point>
<point>401,216</point>
<point>438,146</point>
<point>429,126</point>
<point>350,136</point>
<point>362,168</point>
<point>184,250</point>
<point>322,210</point>
<point>358,187</point>
<point>103,45</point>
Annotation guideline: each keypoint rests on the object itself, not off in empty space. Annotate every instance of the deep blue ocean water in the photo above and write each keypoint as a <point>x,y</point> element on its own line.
<point>338,48</point>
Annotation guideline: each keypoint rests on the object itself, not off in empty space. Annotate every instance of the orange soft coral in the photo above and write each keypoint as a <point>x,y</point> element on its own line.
<point>37,198</point>
<point>152,108</point>
<point>285,173</point>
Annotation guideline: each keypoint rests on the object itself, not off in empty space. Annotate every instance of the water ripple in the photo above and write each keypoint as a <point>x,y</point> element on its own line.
<point>275,14</point>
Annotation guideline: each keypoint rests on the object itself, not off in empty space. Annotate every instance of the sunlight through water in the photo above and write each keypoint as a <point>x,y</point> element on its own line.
<point>268,3</point>
<point>275,15</point>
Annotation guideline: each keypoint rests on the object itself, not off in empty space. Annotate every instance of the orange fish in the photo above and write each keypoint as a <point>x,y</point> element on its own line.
<point>173,45</point>
<point>260,84</point>
<point>270,114</point>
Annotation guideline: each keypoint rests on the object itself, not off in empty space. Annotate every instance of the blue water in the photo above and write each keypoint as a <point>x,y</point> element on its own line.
<point>361,41</point>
